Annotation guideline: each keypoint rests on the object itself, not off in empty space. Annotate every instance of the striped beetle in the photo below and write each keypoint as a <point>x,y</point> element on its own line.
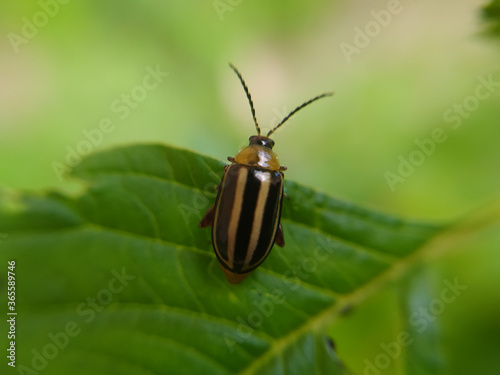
<point>246,216</point>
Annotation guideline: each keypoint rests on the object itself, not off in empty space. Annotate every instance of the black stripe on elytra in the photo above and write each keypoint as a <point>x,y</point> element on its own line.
<point>252,189</point>
<point>224,205</point>
<point>270,220</point>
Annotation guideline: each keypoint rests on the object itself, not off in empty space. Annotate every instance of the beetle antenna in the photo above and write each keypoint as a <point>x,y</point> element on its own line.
<point>298,109</point>
<point>248,96</point>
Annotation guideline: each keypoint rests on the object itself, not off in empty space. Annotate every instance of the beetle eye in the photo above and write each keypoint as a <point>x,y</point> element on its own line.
<point>267,142</point>
<point>261,141</point>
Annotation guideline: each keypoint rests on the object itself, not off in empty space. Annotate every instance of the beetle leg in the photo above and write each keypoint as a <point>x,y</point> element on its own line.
<point>231,159</point>
<point>208,219</point>
<point>280,238</point>
<point>283,168</point>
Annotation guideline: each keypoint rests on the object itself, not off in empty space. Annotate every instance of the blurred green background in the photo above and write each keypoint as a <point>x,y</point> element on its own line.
<point>63,73</point>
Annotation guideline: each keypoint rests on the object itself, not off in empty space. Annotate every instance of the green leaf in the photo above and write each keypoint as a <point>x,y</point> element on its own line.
<point>491,14</point>
<point>119,279</point>
<point>419,335</point>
